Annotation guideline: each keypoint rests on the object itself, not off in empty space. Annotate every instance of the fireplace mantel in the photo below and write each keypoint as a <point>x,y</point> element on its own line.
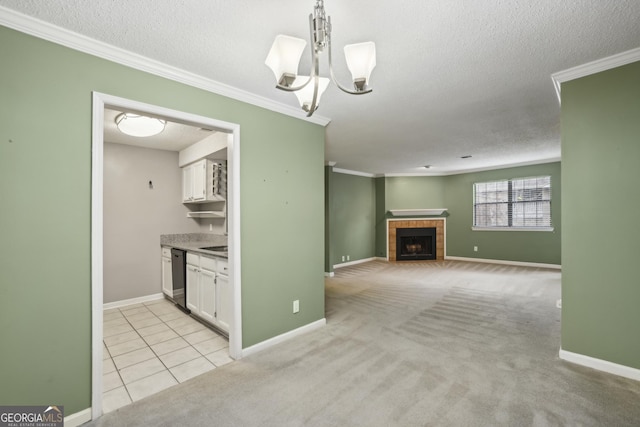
<point>438,223</point>
<point>417,212</point>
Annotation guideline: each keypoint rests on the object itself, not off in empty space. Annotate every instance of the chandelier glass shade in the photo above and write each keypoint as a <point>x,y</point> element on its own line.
<point>140,126</point>
<point>286,51</point>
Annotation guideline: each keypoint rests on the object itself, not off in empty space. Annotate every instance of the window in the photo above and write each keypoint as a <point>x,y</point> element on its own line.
<point>522,203</point>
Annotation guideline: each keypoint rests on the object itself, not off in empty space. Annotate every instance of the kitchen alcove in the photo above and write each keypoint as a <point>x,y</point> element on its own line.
<point>102,103</point>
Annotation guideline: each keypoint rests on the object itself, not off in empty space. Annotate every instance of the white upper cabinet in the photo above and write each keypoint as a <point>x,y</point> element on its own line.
<point>204,181</point>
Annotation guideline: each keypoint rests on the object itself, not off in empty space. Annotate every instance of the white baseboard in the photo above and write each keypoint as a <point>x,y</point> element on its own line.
<point>601,365</point>
<point>499,261</point>
<point>358,261</point>
<point>283,337</point>
<point>329,274</point>
<point>78,418</point>
<point>138,300</point>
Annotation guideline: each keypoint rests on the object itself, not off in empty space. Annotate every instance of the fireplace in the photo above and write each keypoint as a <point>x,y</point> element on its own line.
<point>393,225</point>
<point>415,244</point>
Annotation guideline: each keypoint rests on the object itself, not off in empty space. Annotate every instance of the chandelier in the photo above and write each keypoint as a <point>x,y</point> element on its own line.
<point>285,53</point>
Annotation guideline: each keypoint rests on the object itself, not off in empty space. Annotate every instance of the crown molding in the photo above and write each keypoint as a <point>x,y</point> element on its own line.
<point>447,173</point>
<point>350,172</point>
<point>481,169</point>
<point>593,67</point>
<point>46,31</point>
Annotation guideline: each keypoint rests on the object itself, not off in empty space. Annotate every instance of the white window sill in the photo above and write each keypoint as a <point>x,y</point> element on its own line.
<point>512,228</point>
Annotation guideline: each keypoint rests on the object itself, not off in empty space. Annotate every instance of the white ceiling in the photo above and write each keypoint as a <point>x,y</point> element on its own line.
<point>453,77</point>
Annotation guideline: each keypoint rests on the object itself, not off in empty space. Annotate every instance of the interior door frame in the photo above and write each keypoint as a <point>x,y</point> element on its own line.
<point>100,101</point>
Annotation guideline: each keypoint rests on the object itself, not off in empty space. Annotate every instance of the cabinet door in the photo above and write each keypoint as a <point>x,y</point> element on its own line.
<point>167,277</point>
<point>224,301</point>
<point>208,295</point>
<point>199,180</point>
<point>193,288</point>
<point>187,183</point>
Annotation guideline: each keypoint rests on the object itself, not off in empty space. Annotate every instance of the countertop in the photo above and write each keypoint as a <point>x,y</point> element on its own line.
<point>196,247</point>
<point>192,242</point>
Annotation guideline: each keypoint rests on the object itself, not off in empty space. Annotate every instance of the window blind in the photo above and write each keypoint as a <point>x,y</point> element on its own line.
<point>513,203</point>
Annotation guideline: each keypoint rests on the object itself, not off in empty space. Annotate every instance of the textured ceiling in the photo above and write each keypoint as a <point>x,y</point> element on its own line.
<point>453,77</point>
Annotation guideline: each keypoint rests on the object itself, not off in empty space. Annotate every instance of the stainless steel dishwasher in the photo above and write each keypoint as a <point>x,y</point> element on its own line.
<point>179,276</point>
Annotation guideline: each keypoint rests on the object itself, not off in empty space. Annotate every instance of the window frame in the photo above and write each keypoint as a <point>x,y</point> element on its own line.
<point>510,206</point>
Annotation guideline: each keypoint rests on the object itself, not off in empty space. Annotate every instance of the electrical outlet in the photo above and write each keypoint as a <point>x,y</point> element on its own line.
<point>296,306</point>
<point>475,249</point>
<point>342,258</point>
<point>347,257</point>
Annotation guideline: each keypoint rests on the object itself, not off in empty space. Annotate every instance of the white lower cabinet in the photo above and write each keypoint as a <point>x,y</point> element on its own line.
<point>208,295</point>
<point>167,273</point>
<point>223,300</point>
<point>208,291</point>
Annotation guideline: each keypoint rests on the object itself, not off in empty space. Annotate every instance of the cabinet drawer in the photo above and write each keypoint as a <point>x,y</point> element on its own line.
<point>223,266</point>
<point>166,252</point>
<point>193,259</point>
<point>208,263</point>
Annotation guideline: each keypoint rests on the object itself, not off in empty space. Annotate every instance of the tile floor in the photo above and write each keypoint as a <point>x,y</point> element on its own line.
<point>151,346</point>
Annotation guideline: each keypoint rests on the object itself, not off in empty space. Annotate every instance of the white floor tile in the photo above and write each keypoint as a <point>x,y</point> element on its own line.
<point>134,334</point>
<point>141,370</point>
<point>114,322</point>
<point>112,316</point>
<point>220,357</point>
<point>133,357</point>
<point>116,330</point>
<point>159,301</point>
<point>179,356</point>
<point>150,385</point>
<point>160,337</point>
<point>200,336</point>
<point>192,369</point>
<point>114,399</point>
<point>171,315</point>
<point>150,330</point>
<point>133,311</point>
<point>110,381</point>
<point>189,328</point>
<point>120,338</point>
<point>211,345</point>
<point>126,347</point>
<point>131,306</point>
<point>105,353</point>
<point>169,346</point>
<point>143,323</point>
<point>108,366</point>
<point>180,321</point>
<point>140,316</point>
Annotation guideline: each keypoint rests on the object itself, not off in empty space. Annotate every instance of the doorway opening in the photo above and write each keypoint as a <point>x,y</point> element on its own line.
<point>100,103</point>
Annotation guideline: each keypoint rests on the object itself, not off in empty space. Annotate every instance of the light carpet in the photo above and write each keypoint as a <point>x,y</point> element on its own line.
<point>409,344</point>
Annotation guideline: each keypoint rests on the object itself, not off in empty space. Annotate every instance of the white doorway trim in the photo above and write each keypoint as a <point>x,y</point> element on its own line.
<point>100,101</point>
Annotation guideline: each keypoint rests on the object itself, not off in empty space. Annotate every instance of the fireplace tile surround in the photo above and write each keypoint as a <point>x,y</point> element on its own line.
<point>393,224</point>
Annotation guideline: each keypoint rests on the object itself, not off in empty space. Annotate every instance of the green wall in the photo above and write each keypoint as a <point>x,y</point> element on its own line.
<point>524,246</point>
<point>353,217</point>
<point>418,192</point>
<point>353,198</point>
<point>600,239</point>
<point>45,185</point>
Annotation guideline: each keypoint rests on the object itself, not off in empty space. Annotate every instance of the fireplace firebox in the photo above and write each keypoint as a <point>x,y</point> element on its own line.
<point>415,244</point>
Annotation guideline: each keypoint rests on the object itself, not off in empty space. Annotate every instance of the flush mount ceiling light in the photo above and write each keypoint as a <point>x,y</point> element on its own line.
<point>140,126</point>
<point>286,51</point>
